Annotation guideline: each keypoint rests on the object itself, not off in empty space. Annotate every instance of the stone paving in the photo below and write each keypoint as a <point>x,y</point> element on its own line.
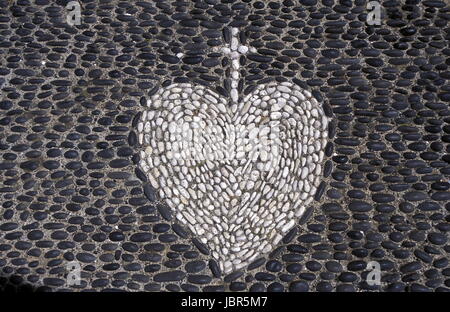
<point>127,145</point>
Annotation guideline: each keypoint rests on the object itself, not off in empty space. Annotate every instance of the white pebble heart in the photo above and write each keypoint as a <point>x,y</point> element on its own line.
<point>237,175</point>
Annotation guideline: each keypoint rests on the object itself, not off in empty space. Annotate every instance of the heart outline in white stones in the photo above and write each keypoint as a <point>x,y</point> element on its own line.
<point>201,204</point>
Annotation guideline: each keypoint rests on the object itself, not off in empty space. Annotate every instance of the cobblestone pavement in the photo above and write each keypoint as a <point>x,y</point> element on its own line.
<point>78,195</point>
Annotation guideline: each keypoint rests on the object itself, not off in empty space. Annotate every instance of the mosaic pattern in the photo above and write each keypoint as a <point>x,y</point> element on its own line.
<point>236,176</point>
<point>71,184</point>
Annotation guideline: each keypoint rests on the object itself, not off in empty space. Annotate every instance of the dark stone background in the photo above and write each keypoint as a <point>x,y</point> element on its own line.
<point>70,191</point>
